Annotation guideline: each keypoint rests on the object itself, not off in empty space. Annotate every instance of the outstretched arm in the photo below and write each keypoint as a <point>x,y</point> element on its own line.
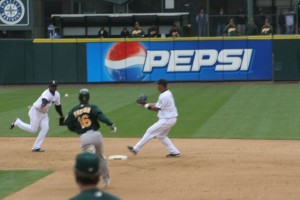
<point>105,120</point>
<point>59,110</point>
<point>152,107</point>
<point>62,117</point>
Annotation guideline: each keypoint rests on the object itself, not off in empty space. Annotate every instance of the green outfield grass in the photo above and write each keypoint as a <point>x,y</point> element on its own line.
<point>262,111</point>
<point>14,180</point>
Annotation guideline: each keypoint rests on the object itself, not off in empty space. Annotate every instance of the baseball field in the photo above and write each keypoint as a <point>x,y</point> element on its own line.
<point>237,141</point>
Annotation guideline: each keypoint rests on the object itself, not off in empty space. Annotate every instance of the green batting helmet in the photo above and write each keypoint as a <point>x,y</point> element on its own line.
<point>84,95</point>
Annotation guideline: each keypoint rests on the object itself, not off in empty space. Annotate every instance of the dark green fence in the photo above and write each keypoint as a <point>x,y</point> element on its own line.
<point>15,58</point>
<point>286,58</point>
<point>28,62</point>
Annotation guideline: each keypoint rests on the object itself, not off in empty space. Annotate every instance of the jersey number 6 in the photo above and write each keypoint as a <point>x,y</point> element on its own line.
<point>84,121</point>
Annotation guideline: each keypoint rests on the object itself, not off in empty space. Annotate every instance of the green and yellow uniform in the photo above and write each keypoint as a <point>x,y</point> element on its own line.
<point>84,120</point>
<point>84,117</point>
<point>94,194</point>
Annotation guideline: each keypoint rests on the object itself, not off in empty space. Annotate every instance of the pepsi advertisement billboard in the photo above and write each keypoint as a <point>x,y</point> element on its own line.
<point>217,60</point>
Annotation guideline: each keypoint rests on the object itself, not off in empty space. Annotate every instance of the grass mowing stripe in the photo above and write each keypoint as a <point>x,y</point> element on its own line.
<point>13,181</point>
<point>196,105</point>
<point>257,112</point>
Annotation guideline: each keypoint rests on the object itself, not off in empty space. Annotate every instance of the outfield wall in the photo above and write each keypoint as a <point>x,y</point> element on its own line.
<point>286,58</point>
<point>134,60</point>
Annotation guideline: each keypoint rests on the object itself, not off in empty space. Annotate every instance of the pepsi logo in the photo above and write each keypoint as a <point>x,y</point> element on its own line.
<point>125,61</point>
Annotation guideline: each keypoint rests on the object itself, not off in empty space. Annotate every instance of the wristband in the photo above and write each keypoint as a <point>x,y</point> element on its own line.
<point>147,106</point>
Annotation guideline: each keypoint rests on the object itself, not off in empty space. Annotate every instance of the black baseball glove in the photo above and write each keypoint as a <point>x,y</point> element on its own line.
<point>61,121</point>
<point>142,99</point>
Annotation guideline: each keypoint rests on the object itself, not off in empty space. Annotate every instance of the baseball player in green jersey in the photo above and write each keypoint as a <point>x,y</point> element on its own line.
<point>83,119</point>
<point>87,175</point>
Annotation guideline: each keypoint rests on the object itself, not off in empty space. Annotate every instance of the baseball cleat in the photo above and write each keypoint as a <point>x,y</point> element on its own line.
<point>38,150</point>
<point>12,125</point>
<point>170,155</point>
<point>131,149</point>
<point>106,182</point>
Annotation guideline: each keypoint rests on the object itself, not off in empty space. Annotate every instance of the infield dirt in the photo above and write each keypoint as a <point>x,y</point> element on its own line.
<point>207,169</point>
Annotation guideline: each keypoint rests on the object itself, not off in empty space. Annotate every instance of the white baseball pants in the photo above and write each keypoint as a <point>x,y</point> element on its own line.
<point>159,130</point>
<point>37,119</point>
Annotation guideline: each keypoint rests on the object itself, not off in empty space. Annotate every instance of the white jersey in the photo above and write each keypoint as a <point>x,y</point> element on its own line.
<point>52,99</point>
<point>166,105</point>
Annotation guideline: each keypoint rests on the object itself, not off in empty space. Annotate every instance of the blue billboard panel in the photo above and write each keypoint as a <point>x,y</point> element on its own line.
<point>206,57</point>
<point>261,60</point>
<point>236,60</point>
<point>159,57</point>
<point>180,61</point>
<point>94,62</point>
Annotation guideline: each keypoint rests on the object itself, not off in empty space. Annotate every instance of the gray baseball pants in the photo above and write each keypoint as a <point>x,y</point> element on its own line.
<point>95,139</point>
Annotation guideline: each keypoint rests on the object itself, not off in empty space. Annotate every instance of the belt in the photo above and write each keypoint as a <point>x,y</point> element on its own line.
<point>88,131</point>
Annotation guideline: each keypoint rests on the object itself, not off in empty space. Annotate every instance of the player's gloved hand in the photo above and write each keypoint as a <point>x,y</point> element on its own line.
<point>113,128</point>
<point>61,120</point>
<point>142,99</point>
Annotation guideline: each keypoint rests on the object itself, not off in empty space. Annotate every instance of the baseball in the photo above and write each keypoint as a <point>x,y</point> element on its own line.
<point>66,95</point>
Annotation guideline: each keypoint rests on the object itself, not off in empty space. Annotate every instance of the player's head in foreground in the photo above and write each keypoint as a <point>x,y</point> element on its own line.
<point>162,85</point>
<point>86,170</point>
<point>52,86</point>
<point>84,96</point>
<point>87,175</point>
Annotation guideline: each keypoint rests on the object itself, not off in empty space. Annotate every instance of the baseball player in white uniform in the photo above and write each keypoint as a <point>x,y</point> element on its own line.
<point>167,114</point>
<point>38,115</point>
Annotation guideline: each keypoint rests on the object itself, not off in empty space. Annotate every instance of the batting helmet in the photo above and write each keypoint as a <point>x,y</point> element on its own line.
<point>84,95</point>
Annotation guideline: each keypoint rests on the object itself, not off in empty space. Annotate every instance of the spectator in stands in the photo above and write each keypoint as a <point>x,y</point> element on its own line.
<point>261,17</point>
<point>187,28</point>
<point>125,33</point>
<point>137,32</point>
<point>251,28</point>
<point>281,22</point>
<point>153,31</point>
<point>289,22</point>
<point>202,20</point>
<point>221,22</point>
<point>241,20</point>
<point>51,30</point>
<point>266,29</point>
<point>102,33</point>
<point>56,36</point>
<point>174,31</point>
<point>230,29</point>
